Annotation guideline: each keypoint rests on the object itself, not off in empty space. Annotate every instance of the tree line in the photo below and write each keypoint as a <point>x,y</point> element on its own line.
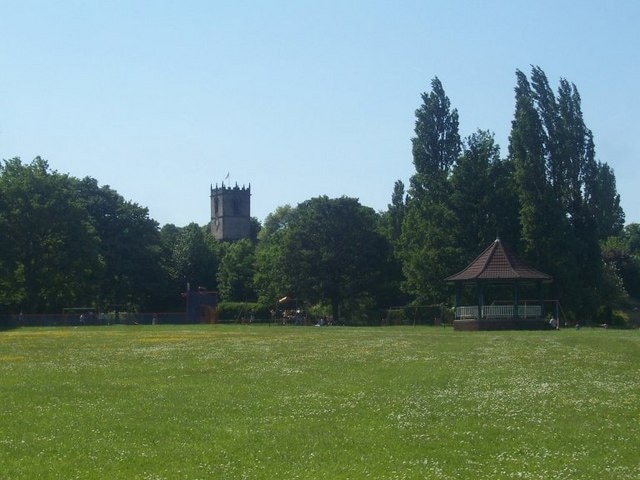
<point>69,242</point>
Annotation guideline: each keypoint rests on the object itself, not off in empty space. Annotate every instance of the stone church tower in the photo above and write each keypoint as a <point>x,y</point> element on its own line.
<point>230,212</point>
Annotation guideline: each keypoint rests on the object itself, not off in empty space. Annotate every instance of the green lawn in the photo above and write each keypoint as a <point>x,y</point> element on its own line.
<point>233,402</point>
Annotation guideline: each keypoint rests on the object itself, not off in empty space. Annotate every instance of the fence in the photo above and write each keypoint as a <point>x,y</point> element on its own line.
<point>78,320</point>
<point>499,311</point>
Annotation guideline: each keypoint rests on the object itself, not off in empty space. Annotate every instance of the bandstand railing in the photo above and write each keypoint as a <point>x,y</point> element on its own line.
<point>499,311</point>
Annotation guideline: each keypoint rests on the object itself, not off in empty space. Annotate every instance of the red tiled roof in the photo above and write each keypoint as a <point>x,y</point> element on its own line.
<point>498,263</point>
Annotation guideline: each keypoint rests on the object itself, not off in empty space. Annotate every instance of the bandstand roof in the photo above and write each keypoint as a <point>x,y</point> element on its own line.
<point>498,263</point>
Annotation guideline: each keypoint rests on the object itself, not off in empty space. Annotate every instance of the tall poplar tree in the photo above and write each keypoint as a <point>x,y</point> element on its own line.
<point>395,212</point>
<point>428,240</point>
<point>564,205</point>
<point>603,201</point>
<point>540,218</point>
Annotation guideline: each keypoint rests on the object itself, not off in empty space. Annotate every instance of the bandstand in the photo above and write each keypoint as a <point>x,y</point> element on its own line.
<point>508,294</point>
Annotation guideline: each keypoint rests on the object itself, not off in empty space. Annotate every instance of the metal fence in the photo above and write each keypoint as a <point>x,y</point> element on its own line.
<point>89,318</point>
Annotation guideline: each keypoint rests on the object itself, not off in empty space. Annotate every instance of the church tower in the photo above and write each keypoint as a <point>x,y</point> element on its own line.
<point>230,212</point>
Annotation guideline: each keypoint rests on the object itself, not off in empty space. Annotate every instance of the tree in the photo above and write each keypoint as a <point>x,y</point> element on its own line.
<point>168,295</point>
<point>503,198</point>
<point>50,250</point>
<point>428,246</point>
<point>566,199</point>
<point>631,233</point>
<point>576,155</point>
<point>235,273</point>
<point>475,196</point>
<point>620,277</point>
<point>546,239</point>
<point>603,201</point>
<point>129,246</point>
<point>394,216</point>
<point>631,269</point>
<point>621,254</point>
<point>326,250</point>
<point>391,226</point>
<point>271,277</point>
<point>193,257</point>
<point>540,215</point>
<point>436,145</point>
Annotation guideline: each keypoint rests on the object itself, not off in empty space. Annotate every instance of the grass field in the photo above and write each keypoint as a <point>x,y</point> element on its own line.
<point>234,402</point>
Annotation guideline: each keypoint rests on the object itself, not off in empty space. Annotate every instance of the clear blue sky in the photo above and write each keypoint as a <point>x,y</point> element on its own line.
<point>160,99</point>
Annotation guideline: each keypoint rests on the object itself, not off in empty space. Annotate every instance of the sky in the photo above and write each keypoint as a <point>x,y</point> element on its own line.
<point>162,99</point>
